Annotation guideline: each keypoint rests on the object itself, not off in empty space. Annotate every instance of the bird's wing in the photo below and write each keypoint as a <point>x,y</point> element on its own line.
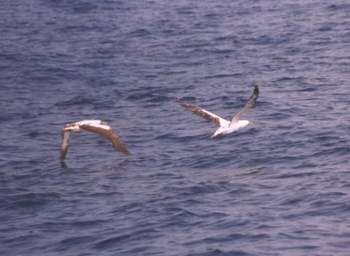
<point>251,103</point>
<point>107,132</point>
<point>205,114</point>
<point>64,144</point>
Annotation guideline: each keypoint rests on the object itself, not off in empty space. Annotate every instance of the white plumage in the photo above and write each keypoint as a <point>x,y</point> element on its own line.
<point>225,126</point>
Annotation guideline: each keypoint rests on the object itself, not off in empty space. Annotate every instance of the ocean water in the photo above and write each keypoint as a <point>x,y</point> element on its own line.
<point>278,187</point>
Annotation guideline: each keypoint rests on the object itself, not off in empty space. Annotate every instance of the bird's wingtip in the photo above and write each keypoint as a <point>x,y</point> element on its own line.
<point>256,89</point>
<point>179,101</point>
<point>182,103</point>
<point>125,151</point>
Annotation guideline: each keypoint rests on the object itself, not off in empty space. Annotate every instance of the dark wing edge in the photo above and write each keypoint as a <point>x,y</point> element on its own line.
<point>250,104</point>
<point>64,144</point>
<point>202,113</point>
<point>118,144</point>
<point>110,135</point>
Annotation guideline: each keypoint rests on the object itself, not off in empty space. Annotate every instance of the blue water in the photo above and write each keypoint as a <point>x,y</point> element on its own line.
<point>279,187</point>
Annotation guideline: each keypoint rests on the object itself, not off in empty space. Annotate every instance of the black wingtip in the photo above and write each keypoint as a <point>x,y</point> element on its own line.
<point>63,165</point>
<point>183,103</point>
<point>179,100</point>
<point>256,90</point>
<point>62,157</point>
<point>127,152</point>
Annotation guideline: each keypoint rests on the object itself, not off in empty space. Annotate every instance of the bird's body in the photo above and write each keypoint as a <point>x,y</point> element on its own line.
<point>225,126</point>
<point>96,126</point>
<point>232,127</point>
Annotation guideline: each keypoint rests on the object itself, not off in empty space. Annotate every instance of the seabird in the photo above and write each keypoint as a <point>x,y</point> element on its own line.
<point>96,126</point>
<point>225,126</point>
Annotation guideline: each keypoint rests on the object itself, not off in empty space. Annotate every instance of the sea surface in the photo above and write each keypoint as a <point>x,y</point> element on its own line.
<point>278,187</point>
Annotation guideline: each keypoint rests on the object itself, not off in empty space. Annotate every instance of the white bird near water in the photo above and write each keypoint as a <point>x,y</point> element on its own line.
<point>96,126</point>
<point>225,126</point>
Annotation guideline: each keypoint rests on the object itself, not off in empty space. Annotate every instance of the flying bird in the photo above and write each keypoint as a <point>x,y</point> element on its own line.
<point>96,126</point>
<point>225,126</point>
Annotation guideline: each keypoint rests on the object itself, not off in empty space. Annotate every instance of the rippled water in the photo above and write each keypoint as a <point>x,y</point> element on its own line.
<point>280,187</point>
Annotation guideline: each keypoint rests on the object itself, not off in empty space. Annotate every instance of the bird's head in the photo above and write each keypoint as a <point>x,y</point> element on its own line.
<point>73,127</point>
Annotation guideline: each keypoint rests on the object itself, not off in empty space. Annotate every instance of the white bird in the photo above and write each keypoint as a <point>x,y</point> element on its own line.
<point>96,126</point>
<point>225,126</point>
